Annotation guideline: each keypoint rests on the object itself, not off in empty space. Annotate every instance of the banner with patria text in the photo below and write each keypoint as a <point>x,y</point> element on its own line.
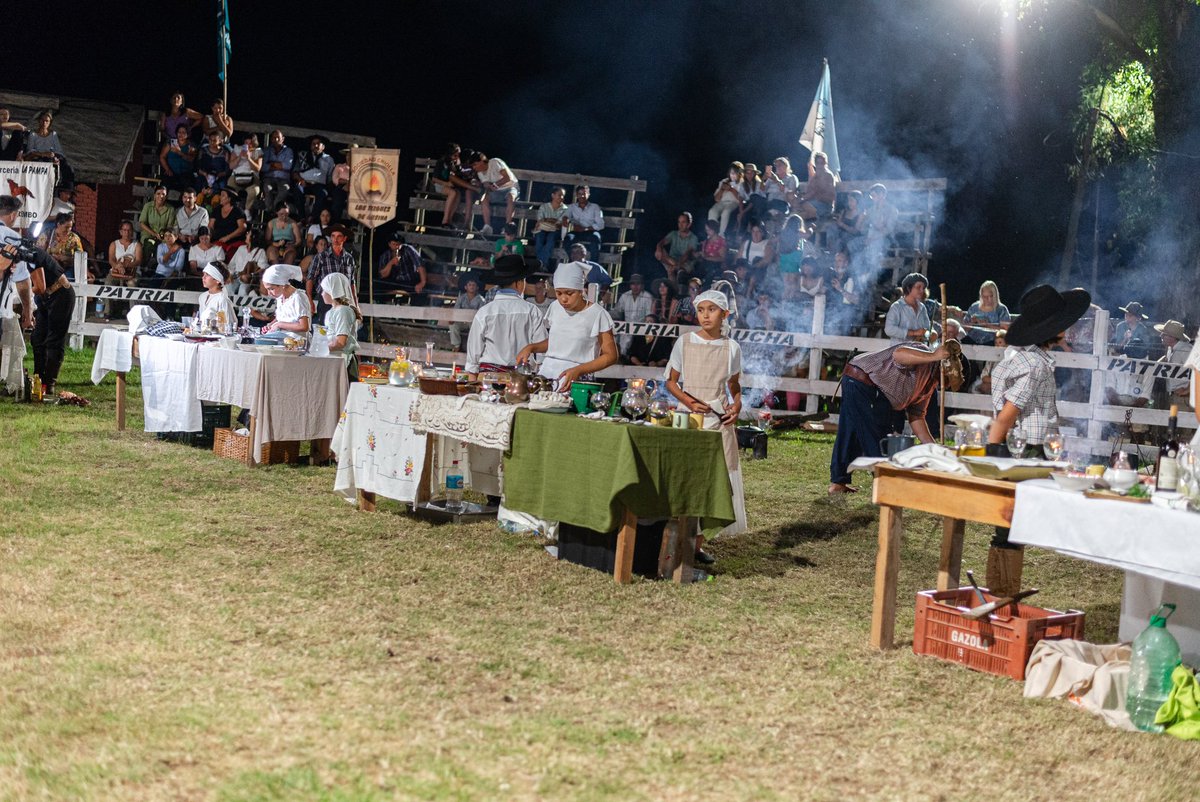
<point>373,182</point>
<point>33,184</point>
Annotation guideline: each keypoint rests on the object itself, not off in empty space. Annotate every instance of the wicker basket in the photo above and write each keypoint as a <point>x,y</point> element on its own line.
<point>237,447</point>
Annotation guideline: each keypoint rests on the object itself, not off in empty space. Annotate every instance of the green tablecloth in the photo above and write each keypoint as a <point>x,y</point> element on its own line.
<point>583,472</point>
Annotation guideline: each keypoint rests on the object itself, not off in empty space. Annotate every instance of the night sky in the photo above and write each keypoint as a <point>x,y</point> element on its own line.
<point>671,92</point>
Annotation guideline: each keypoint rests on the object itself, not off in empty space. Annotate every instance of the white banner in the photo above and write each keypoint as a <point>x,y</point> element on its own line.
<point>373,180</point>
<point>33,184</point>
<point>154,295</point>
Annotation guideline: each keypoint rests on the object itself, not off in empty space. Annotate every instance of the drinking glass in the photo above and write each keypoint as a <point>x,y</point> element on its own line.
<point>1053,444</point>
<point>1189,474</point>
<point>1016,441</point>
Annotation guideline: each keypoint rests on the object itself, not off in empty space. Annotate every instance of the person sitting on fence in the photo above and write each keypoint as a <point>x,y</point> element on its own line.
<point>401,271</point>
<point>212,166</point>
<point>551,219</point>
<point>228,222</point>
<point>343,318</point>
<point>578,338</point>
<point>293,311</point>
<point>676,252</point>
<point>456,181</point>
<point>245,164</point>
<point>277,170</point>
<point>190,218</point>
<point>124,257</point>
<point>633,306</point>
<point>499,186</point>
<point>203,252</point>
<point>285,237</point>
<point>821,191</point>
<point>713,253</point>
<point>469,299</point>
<point>63,243</point>
<point>1179,350</point>
<point>586,221</point>
<point>727,199</point>
<point>178,161</point>
<point>42,145</point>
<point>907,318</point>
<point>156,217</point>
<point>311,173</point>
<point>986,316</point>
<point>216,310</point>
<point>507,323</point>
<point>508,243</point>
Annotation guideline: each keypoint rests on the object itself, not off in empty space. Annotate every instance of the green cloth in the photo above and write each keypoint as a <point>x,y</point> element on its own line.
<point>585,472</point>
<point>1180,714</point>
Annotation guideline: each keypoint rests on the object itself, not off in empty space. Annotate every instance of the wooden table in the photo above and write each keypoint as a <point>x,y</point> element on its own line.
<point>957,498</point>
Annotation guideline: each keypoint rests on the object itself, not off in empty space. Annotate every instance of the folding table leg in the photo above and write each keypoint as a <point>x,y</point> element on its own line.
<point>120,401</point>
<point>950,563</point>
<point>626,539</point>
<point>366,501</point>
<point>887,570</point>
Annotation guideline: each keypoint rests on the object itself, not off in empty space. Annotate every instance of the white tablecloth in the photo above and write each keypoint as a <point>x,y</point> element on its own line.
<point>169,385</point>
<point>114,351</point>
<point>467,419</point>
<point>1159,550</point>
<point>378,451</point>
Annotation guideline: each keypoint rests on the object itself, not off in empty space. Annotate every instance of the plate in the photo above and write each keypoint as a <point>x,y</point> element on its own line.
<point>555,410</point>
<point>965,419</point>
<point>1008,469</point>
<point>1066,481</point>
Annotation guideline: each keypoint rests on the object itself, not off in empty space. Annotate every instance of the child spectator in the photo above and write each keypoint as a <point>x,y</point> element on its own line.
<point>124,256</point>
<point>212,166</point>
<point>551,218</point>
<point>469,298</point>
<point>509,243</point>
<point>317,229</point>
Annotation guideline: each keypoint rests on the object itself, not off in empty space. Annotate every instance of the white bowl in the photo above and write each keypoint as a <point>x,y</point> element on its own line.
<point>1073,482</point>
<point>1120,480</point>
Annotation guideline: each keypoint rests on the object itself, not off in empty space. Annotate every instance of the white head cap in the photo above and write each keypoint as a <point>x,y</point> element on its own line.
<point>570,276</point>
<point>214,274</point>
<point>282,274</point>
<point>337,285</point>
<point>713,296</point>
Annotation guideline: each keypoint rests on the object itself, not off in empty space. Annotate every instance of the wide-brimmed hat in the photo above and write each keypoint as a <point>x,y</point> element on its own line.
<point>1133,308</point>
<point>1045,312</point>
<point>513,267</point>
<point>1173,328</point>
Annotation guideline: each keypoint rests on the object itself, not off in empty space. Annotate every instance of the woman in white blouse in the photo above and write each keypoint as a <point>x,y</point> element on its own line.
<point>580,341</point>
<point>293,311</point>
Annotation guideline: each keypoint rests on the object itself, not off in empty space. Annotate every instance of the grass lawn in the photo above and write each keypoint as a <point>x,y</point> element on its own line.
<point>174,626</point>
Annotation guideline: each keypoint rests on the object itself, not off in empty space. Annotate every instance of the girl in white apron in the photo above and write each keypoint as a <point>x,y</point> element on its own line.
<point>216,308</point>
<point>709,365</point>
<point>580,341</point>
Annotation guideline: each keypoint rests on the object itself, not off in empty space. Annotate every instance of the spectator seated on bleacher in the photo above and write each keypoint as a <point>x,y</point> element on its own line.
<point>727,198</point>
<point>251,256</point>
<point>849,224</point>
<point>174,115</point>
<point>203,252</point>
<point>318,229</point>
<point>156,217</point>
<point>124,258</point>
<point>508,243</point>
<point>754,195</point>
<point>64,200</point>
<point>284,237</point>
<point>666,300</point>
<point>177,158</point>
<point>676,252</point>
<point>456,181</point>
<point>212,166</point>
<point>12,138</point>
<point>216,121</point>
<point>400,269</point>
<point>277,170</point>
<point>319,244</point>
<point>686,312</point>
<point>843,307</point>
<point>312,170</point>
<point>228,222</point>
<point>469,298</point>
<point>792,245</point>
<point>586,221</point>
<point>499,185</point>
<point>781,186</point>
<point>63,243</point>
<point>339,189</point>
<point>169,261</point>
<point>245,164</point>
<point>714,252</point>
<point>42,145</point>
<point>987,316</point>
<point>541,294</point>
<point>633,306</point>
<point>190,218</point>
<point>820,194</point>
<point>551,218</point>
<point>880,226</point>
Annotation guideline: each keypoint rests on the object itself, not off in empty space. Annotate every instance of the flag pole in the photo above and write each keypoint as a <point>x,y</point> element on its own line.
<point>941,436</point>
<point>371,280</point>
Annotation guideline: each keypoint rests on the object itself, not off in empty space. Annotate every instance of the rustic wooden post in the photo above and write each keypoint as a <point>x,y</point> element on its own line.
<point>815,355</point>
<point>1096,395</point>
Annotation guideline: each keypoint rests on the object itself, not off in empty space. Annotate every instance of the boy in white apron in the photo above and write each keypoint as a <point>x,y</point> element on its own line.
<point>709,365</point>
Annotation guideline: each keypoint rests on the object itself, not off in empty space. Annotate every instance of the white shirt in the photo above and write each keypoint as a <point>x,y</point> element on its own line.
<point>211,304</point>
<point>676,360</point>
<point>496,172</point>
<point>189,223</point>
<point>574,337</point>
<point>501,328</point>
<point>291,310</point>
<point>202,256</point>
<point>243,256</point>
<point>589,216</point>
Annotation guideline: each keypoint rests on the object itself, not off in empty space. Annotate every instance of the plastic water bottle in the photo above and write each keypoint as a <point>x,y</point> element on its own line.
<point>454,489</point>
<point>245,321</point>
<point>99,308</point>
<point>1155,655</point>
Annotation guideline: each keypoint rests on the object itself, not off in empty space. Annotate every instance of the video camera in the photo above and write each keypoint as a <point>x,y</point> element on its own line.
<point>26,248</point>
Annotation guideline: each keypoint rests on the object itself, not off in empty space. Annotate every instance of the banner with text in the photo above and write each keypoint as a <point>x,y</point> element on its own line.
<point>33,184</point>
<point>373,182</point>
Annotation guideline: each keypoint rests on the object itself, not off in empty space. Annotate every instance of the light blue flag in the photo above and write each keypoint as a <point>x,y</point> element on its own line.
<point>224,45</point>
<point>818,133</point>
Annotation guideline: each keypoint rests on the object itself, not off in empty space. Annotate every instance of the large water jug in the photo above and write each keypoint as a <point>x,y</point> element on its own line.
<point>1155,655</point>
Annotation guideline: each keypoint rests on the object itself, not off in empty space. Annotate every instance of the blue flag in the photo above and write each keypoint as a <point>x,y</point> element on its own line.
<point>818,131</point>
<point>224,47</point>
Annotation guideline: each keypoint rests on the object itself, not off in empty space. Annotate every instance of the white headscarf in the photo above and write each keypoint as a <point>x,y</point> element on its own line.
<point>570,276</point>
<point>713,296</point>
<point>282,274</point>
<point>338,286</point>
<point>214,274</point>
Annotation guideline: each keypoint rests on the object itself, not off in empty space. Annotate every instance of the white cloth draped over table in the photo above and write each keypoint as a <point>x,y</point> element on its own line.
<point>378,450</point>
<point>169,385</point>
<point>466,418</point>
<point>114,351</point>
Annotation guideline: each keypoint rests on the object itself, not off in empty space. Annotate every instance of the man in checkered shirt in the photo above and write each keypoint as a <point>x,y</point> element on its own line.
<point>1023,394</point>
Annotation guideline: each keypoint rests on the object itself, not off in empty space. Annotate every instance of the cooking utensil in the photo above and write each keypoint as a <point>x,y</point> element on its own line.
<point>975,613</point>
<point>978,592</point>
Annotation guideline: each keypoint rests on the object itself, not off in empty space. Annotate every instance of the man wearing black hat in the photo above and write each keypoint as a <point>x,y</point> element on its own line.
<point>507,323</point>
<point>400,268</point>
<point>1024,394</point>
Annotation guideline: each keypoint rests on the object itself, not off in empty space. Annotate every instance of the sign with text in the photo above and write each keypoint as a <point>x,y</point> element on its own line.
<point>32,183</point>
<point>154,295</point>
<point>373,181</point>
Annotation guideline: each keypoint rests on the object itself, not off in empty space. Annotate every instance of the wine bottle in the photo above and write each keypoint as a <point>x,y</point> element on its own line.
<point>1167,470</point>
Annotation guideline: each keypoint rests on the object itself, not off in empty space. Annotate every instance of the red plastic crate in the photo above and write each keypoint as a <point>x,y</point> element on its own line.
<point>998,644</point>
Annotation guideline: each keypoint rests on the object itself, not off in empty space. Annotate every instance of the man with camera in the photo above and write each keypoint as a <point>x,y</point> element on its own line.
<point>14,283</point>
<point>47,281</point>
